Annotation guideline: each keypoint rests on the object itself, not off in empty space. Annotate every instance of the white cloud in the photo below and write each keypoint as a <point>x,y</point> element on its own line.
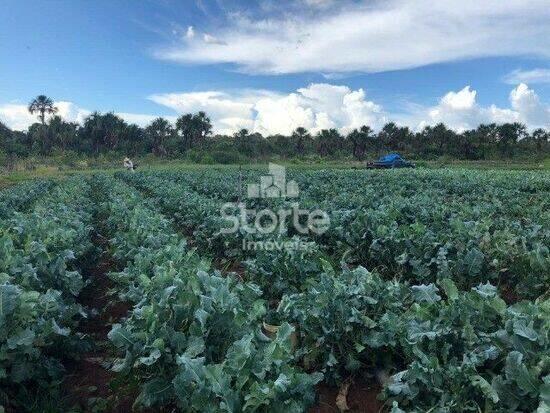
<point>374,36</point>
<point>70,112</point>
<point>315,107</point>
<point>528,76</point>
<point>319,3</point>
<point>460,110</point>
<point>529,107</point>
<point>141,119</point>
<point>17,117</point>
<point>209,39</point>
<point>228,111</point>
<point>190,32</point>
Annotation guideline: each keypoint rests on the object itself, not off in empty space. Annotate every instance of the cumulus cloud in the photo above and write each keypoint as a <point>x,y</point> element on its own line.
<point>460,110</point>
<point>229,111</point>
<point>528,76</point>
<point>17,117</point>
<point>318,106</point>
<point>371,37</point>
<point>142,119</point>
<point>315,107</point>
<point>71,112</point>
<point>529,107</point>
<point>190,33</point>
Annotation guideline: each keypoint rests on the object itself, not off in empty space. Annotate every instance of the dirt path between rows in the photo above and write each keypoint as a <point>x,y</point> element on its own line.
<point>90,385</point>
<point>361,398</point>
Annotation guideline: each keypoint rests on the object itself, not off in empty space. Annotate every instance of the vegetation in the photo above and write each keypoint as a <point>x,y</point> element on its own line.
<point>191,137</point>
<point>434,283</point>
<point>43,105</point>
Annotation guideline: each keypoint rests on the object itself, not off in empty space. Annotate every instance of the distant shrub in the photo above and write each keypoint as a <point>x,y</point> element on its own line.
<point>194,155</point>
<point>207,159</point>
<point>226,157</point>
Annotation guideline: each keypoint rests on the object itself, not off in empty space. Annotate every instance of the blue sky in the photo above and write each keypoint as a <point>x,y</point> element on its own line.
<point>272,65</point>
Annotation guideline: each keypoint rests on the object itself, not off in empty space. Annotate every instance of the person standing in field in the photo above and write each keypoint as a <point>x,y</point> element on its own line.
<point>129,165</point>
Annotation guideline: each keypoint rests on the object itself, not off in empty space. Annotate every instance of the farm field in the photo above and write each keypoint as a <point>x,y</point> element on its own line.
<point>183,290</point>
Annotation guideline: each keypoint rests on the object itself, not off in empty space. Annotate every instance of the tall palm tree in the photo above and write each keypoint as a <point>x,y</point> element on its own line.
<point>300,136</point>
<point>42,104</point>
<point>158,132</point>
<point>193,128</point>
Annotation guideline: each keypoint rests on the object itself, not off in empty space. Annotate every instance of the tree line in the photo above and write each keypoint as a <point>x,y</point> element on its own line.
<point>191,136</point>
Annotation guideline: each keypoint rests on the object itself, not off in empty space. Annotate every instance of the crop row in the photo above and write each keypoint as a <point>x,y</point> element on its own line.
<point>41,253</point>
<point>418,227</point>
<point>20,197</point>
<point>199,340</point>
<point>446,349</point>
<point>193,337</point>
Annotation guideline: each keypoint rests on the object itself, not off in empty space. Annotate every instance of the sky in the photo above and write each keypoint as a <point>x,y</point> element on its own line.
<point>273,65</point>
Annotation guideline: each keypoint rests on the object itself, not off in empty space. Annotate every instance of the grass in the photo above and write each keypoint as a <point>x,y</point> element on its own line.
<point>51,171</point>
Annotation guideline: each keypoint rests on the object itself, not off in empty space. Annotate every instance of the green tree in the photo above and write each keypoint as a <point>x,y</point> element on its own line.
<point>394,137</point>
<point>541,138</point>
<point>508,134</point>
<point>61,134</point>
<point>485,140</point>
<point>193,129</point>
<point>13,143</point>
<point>389,136</point>
<point>361,140</point>
<point>159,133</point>
<point>102,132</point>
<point>435,140</point>
<point>281,145</point>
<point>328,142</point>
<point>132,140</point>
<point>300,138</point>
<point>42,105</point>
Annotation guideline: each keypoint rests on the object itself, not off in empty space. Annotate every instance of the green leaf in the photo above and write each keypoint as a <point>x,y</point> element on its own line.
<point>282,382</point>
<point>23,338</point>
<point>425,293</point>
<point>156,391</point>
<point>474,261</point>
<point>239,353</point>
<point>485,387</point>
<point>486,290</point>
<point>202,317</point>
<point>545,390</point>
<point>151,358</point>
<point>120,336</point>
<point>195,346</point>
<point>8,300</point>
<point>522,330</point>
<point>449,287</point>
<point>517,371</point>
<point>59,330</point>
<point>395,408</point>
<point>284,332</point>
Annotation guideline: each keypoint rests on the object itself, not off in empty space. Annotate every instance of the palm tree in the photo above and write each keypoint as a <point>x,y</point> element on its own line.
<point>159,131</point>
<point>300,136</point>
<point>42,104</point>
<point>328,141</point>
<point>193,129</point>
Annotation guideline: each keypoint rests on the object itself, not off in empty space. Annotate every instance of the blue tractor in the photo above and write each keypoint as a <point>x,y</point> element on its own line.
<point>393,160</point>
